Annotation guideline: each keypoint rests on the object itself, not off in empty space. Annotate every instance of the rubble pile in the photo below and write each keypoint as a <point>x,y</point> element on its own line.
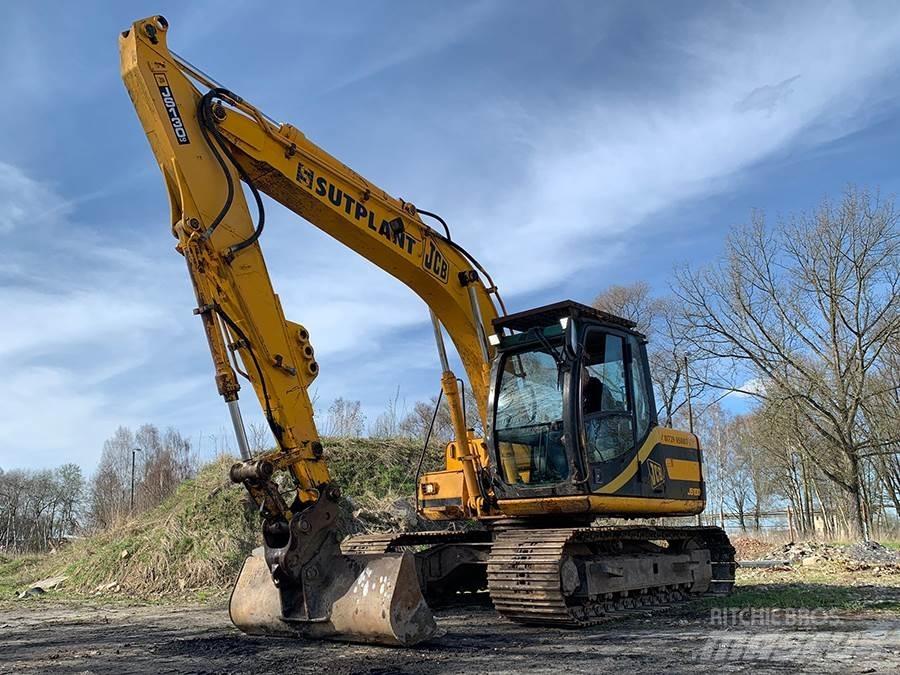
<point>748,548</point>
<point>872,551</point>
<point>861,556</point>
<point>385,515</point>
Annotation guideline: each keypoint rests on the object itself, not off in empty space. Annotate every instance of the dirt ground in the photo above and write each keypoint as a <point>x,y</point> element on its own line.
<point>48,637</point>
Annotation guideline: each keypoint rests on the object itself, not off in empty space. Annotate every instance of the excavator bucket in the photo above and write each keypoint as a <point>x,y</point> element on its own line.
<point>376,599</point>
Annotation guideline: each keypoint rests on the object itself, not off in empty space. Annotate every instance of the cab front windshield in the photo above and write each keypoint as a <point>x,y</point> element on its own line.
<point>528,420</point>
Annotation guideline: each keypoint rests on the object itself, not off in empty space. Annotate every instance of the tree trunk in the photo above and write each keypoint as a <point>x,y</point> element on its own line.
<point>859,524</point>
<point>827,518</point>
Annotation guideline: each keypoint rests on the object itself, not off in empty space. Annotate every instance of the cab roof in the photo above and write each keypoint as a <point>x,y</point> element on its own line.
<point>549,315</point>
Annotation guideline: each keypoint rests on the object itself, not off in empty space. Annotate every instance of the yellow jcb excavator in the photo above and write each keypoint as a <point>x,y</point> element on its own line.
<point>563,391</point>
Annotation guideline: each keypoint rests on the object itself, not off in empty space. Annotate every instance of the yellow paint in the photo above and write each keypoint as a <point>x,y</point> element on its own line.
<point>283,163</point>
<point>448,484</point>
<point>515,460</point>
<point>602,504</point>
<point>656,436</point>
<point>683,469</point>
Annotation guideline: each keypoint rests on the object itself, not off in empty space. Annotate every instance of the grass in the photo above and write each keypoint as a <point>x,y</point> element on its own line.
<point>827,585</point>
<point>375,469</point>
<point>796,596</point>
<point>16,572</point>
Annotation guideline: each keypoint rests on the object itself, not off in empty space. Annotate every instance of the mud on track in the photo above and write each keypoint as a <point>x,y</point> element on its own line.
<point>42,637</point>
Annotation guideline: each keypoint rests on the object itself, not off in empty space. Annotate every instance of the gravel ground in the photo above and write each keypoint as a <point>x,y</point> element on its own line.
<point>43,637</point>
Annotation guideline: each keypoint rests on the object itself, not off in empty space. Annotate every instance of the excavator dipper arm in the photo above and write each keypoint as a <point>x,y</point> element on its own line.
<point>208,144</point>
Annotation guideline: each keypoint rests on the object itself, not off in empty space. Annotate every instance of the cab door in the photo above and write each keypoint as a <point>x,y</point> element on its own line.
<point>614,407</point>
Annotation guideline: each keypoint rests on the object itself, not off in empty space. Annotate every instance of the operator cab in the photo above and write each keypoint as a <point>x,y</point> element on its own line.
<point>571,400</point>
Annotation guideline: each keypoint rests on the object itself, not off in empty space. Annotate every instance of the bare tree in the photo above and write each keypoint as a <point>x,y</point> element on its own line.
<point>668,346</point>
<point>713,427</point>
<point>259,436</point>
<point>345,419</point>
<point>109,485</point>
<point>755,472</point>
<point>419,420</point>
<point>162,462</point>
<point>882,413</point>
<point>39,508</point>
<point>387,424</point>
<point>167,462</point>
<point>807,308</point>
<point>635,302</point>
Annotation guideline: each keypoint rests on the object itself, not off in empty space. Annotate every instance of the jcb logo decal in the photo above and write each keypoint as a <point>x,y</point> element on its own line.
<point>435,262</point>
<point>655,471</point>
<point>165,92</point>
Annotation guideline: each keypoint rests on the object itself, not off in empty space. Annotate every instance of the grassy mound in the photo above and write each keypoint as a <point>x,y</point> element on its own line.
<point>193,544</point>
<point>370,470</point>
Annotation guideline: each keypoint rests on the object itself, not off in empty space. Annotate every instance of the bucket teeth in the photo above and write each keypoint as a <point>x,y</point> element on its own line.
<point>378,600</point>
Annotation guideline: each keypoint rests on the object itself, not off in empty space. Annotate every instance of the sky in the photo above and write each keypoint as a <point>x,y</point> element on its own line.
<point>570,145</point>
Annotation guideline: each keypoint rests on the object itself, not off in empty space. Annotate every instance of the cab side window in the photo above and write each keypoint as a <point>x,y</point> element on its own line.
<point>641,396</point>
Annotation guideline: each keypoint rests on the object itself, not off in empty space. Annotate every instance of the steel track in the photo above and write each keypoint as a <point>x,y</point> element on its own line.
<point>524,573</point>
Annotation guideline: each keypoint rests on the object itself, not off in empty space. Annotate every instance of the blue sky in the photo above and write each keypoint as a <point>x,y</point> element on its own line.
<point>571,145</point>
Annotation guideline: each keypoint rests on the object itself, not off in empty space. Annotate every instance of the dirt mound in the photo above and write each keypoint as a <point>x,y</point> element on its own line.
<point>378,480</point>
<point>796,552</point>
<point>867,552</point>
<point>195,540</point>
<point>371,469</point>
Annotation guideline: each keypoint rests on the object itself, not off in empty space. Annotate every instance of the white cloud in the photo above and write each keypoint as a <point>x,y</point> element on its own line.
<point>47,418</point>
<point>347,304</point>
<point>25,200</point>
<point>38,323</point>
<point>750,389</point>
<point>81,316</point>
<point>754,86</point>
